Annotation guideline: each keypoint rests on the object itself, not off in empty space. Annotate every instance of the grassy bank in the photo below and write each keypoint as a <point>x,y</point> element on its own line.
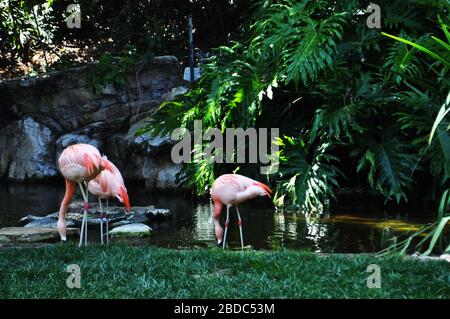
<point>149,272</point>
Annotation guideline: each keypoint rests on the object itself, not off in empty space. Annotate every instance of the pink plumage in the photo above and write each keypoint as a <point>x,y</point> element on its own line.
<point>78,163</point>
<point>233,189</point>
<point>110,184</point>
<point>81,163</point>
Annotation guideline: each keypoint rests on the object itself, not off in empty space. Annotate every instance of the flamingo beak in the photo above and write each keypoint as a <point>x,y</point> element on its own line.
<point>123,197</point>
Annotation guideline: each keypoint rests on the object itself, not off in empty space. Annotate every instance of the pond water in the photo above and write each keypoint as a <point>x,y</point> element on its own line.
<point>191,224</point>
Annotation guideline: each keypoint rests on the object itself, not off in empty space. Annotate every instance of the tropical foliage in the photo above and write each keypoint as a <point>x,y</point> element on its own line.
<point>434,232</point>
<point>337,90</point>
<point>35,37</point>
<point>355,106</point>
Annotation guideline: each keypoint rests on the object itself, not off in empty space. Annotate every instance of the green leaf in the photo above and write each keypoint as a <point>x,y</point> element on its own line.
<point>304,183</point>
<point>421,48</point>
<point>437,234</point>
<point>391,161</point>
<point>441,115</point>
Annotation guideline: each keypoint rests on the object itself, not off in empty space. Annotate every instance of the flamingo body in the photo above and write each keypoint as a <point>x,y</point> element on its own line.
<point>78,163</point>
<point>233,189</point>
<point>105,185</point>
<point>109,184</point>
<point>81,163</point>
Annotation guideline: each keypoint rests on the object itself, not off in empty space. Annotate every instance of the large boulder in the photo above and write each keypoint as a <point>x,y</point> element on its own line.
<point>26,151</point>
<point>132,230</point>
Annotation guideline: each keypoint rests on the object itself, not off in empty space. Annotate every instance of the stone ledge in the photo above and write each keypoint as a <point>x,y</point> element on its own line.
<point>31,235</point>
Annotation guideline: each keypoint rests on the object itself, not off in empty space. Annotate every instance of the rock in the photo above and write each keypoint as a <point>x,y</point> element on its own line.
<point>54,215</point>
<point>65,97</point>
<point>46,222</point>
<point>147,158</point>
<point>159,212</point>
<point>43,115</point>
<point>166,59</point>
<point>116,214</point>
<point>31,235</point>
<point>134,218</point>
<point>75,138</point>
<point>146,143</point>
<point>179,90</point>
<point>76,207</point>
<point>28,219</point>
<point>132,230</point>
<point>152,212</point>
<point>167,176</point>
<point>27,152</point>
<point>75,213</point>
<point>445,257</point>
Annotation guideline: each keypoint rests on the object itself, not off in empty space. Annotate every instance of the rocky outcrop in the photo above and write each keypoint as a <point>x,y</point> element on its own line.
<point>46,222</point>
<point>26,151</point>
<point>31,235</point>
<point>116,216</point>
<point>47,114</point>
<point>148,158</point>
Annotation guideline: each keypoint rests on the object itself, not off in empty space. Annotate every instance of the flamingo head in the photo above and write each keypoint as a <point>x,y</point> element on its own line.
<point>218,230</point>
<point>219,234</point>
<point>264,190</point>
<point>123,198</point>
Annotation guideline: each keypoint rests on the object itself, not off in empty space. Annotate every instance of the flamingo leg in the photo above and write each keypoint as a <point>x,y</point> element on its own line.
<point>83,234</point>
<point>101,220</point>
<point>107,229</point>
<point>227,221</point>
<point>86,221</point>
<point>240,226</point>
<point>107,222</point>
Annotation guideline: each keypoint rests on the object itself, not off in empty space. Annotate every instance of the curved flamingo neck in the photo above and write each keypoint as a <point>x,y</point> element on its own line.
<point>70,190</point>
<point>217,207</point>
<point>61,225</point>
<point>216,217</point>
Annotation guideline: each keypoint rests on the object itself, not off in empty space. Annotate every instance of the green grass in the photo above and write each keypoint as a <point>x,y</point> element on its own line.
<point>150,272</point>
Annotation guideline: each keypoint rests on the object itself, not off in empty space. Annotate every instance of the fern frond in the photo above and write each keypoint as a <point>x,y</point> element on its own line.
<point>401,59</point>
<point>390,162</point>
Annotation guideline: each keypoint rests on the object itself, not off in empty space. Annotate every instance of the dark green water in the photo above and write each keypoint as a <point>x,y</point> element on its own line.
<point>191,224</point>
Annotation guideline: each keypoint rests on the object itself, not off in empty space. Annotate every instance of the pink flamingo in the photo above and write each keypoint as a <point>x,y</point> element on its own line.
<point>109,184</point>
<point>229,190</point>
<point>78,163</point>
